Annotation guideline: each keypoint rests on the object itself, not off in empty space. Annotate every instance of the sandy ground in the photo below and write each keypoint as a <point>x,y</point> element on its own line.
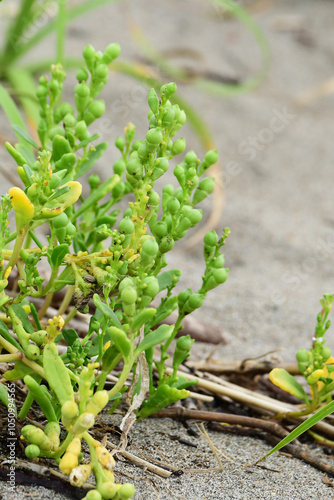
<point>277,163</point>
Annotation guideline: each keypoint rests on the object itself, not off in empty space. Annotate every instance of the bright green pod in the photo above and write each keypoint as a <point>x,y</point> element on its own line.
<point>153,140</point>
<point>69,121</point>
<point>194,302</point>
<point>71,229</point>
<point>38,337</point>
<point>60,147</point>
<point>183,297</point>
<point>93,495</point>
<point>128,295</point>
<point>121,341</point>
<point>142,317</point>
<point>153,199</point>
<point>325,353</point>
<point>36,436</point>
<point>211,238</point>
<point>32,352</point>
<point>57,374</point>
<point>183,225</point>
<point>160,229</point>
<point>168,116</point>
<point>66,162</point>
<point>191,158</point>
<point>135,169</point>
<point>32,451</point>
<point>178,146</point>
<point>218,262</point>
<point>205,187</point>
<point>151,286</point>
<point>303,356</point>
<point>81,96</point>
<point>81,130</point>
<point>217,277</point>
<point>82,75</point>
<point>168,89</point>
<point>126,226</point>
<point>15,154</point>
<point>195,216</point>
<point>180,174</point>
<point>26,429</point>
<point>315,376</point>
<point>166,244</point>
<point>126,282</point>
<point>95,110</point>
<point>60,221</point>
<point>97,402</point>
<point>126,491</point>
<point>210,159</point>
<point>149,250</point>
<point>153,101</point>
<point>111,53</point>
<point>173,206</point>
<point>101,73</point>
<point>41,398</point>
<point>89,56</point>
<point>108,490</point>
<point>57,130</point>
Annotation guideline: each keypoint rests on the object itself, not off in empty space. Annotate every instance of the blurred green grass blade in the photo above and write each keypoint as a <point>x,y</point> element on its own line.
<point>25,89</point>
<point>61,30</point>
<point>17,27</point>
<point>72,14</point>
<point>12,112</point>
<point>305,426</point>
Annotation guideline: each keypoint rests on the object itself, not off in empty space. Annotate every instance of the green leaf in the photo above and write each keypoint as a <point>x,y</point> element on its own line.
<point>162,397</point>
<point>23,317</point>
<point>288,383</point>
<point>65,278</point>
<point>7,336</point>
<point>24,86</point>
<point>87,141</point>
<point>11,110</point>
<point>21,133</point>
<point>305,426</point>
<point>70,336</point>
<point>168,279</point>
<point>58,255</point>
<point>92,157</point>
<point>19,371</point>
<point>107,312</point>
<point>155,337</point>
<point>4,398</point>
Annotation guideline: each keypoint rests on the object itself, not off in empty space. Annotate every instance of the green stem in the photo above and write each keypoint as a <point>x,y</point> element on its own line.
<point>26,406</point>
<point>8,358</point>
<point>122,378</point>
<point>17,249</point>
<point>104,374</point>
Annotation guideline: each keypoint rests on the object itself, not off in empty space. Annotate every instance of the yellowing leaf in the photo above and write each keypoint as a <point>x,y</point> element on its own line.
<point>288,383</point>
<point>24,209</point>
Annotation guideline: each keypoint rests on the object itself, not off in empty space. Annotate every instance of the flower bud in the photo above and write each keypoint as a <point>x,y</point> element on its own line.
<point>148,252</point>
<point>81,96</point>
<point>153,140</point>
<point>315,376</point>
<point>159,229</point>
<point>95,110</point>
<point>97,402</point>
<point>111,53</point>
<point>217,277</point>
<point>60,221</point>
<point>93,495</point>
<point>211,238</point>
<point>218,262</point>
<point>166,244</point>
<point>69,412</point>
<point>168,90</point>
<point>32,351</point>
<point>168,116</point>
<point>89,56</point>
<point>153,101</point>
<point>134,170</point>
<point>153,199</point>
<point>32,451</point>
<point>101,73</point>
<point>302,356</point>
<point>81,130</point>
<point>82,75</point>
<point>126,491</point>
<point>108,489</point>
<point>325,353</point>
<point>178,147</point>
<point>173,206</point>
<point>126,226</point>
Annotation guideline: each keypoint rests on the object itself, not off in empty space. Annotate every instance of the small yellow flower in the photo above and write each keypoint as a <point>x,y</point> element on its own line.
<point>107,345</point>
<point>24,209</point>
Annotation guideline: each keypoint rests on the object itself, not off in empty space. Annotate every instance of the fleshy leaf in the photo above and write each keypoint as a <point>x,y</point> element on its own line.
<point>288,383</point>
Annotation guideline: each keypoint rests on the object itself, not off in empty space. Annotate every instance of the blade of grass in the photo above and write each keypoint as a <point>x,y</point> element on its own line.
<point>61,30</point>
<point>72,14</point>
<point>25,88</point>
<point>310,422</point>
<point>15,30</point>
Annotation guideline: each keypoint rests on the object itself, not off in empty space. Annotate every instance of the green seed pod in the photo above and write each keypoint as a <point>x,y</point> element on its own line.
<point>42,130</point>
<point>121,341</point>
<point>178,147</point>
<point>126,491</point>
<point>26,429</point>
<point>94,181</point>
<point>183,297</point>
<point>32,451</point>
<point>182,350</point>
<point>66,162</point>
<point>93,495</point>
<point>81,130</point>
<point>143,153</point>
<point>81,96</point>
<point>134,169</point>
<point>118,191</point>
<point>120,144</point>
<point>168,116</point>
<point>148,252</point>
<point>218,262</point>
<point>205,187</point>
<point>41,94</point>
<point>125,283</point>
<point>97,402</point>
<point>194,302</point>
<point>325,353</point>
<point>210,159</point>
<point>60,147</point>
<point>108,490</point>
<point>60,221</point>
<point>52,431</point>
<point>153,199</point>
<point>82,75</point>
<point>126,226</point>
<point>111,53</point>
<point>153,122</point>
<point>119,167</point>
<point>95,110</point>
<point>217,277</point>
<point>101,73</point>
<point>129,295</point>
<point>71,229</point>
<point>302,356</point>
<point>159,229</point>
<point>32,351</point>
<point>211,238</point>
<point>36,436</point>
<point>151,286</point>
<point>57,130</point>
<point>69,121</point>
<point>191,173</point>
<point>173,206</point>
<point>168,90</point>
<point>89,56</point>
<point>191,159</point>
<point>38,337</point>
<point>153,101</point>
<point>183,225</point>
<point>20,160</point>
<point>180,174</point>
<point>153,140</point>
<point>195,216</point>
<point>166,244</point>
